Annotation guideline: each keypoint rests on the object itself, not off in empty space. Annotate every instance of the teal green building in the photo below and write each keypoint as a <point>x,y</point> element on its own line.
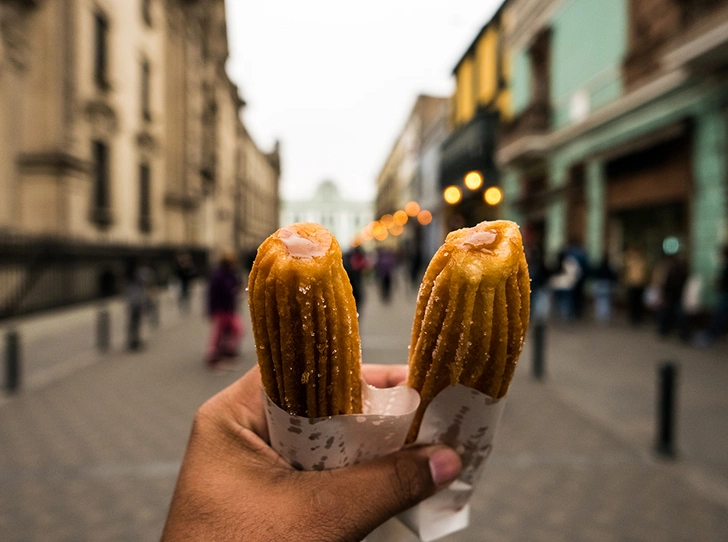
<point>620,127</point>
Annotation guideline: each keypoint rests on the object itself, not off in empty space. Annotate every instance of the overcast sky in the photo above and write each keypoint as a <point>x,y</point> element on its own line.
<point>335,81</point>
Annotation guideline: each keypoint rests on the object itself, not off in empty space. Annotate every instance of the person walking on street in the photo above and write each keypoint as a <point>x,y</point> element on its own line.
<point>185,271</point>
<point>384,269</point>
<point>636,277</point>
<point>604,279</point>
<point>671,314</point>
<point>138,279</point>
<point>355,263</point>
<point>563,283</point>
<point>579,255</point>
<point>540,273</point>
<point>222,308</point>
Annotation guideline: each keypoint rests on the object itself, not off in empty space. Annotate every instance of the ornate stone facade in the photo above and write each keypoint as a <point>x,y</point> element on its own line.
<point>119,125</point>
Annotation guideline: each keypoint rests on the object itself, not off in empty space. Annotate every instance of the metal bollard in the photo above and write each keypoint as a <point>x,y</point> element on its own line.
<point>539,348</point>
<point>666,403</point>
<point>12,360</point>
<point>103,330</point>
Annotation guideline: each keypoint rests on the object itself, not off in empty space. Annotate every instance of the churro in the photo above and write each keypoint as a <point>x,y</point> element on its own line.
<point>472,314</point>
<point>305,323</point>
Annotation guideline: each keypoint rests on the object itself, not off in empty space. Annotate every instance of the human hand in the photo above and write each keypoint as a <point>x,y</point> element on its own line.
<point>233,486</point>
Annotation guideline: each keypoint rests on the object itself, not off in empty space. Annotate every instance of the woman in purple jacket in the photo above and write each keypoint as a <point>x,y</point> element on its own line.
<point>222,308</point>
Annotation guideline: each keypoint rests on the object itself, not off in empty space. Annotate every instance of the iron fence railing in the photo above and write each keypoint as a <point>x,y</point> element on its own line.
<point>38,274</point>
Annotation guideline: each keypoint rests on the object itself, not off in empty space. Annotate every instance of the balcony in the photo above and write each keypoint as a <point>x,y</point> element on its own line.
<point>703,47</point>
<point>675,34</point>
<point>524,138</point>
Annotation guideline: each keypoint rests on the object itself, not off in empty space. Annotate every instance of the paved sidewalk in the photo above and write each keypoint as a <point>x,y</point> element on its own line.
<point>93,454</point>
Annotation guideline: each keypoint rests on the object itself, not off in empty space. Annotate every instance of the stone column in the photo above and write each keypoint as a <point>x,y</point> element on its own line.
<point>709,205</point>
<point>595,221</point>
<point>511,194</point>
<point>556,209</point>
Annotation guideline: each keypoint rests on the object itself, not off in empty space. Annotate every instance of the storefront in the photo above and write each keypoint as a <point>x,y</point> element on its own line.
<point>648,199</point>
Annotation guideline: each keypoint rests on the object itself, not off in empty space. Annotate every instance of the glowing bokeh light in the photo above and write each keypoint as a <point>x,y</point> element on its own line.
<point>387,221</point>
<point>400,217</point>
<point>671,245</point>
<point>452,194</point>
<point>412,208</point>
<point>474,180</point>
<point>378,230</point>
<point>424,217</point>
<point>493,195</point>
<point>397,229</point>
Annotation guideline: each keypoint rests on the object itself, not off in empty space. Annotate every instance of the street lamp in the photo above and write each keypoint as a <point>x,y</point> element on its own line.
<point>493,195</point>
<point>412,208</point>
<point>400,217</point>
<point>452,195</point>
<point>379,231</point>
<point>474,180</point>
<point>396,230</point>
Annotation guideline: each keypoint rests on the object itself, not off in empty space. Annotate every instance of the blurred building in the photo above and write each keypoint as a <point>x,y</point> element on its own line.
<point>410,174</point>
<point>619,133</point>
<point>344,218</point>
<point>481,100</point>
<point>121,136</point>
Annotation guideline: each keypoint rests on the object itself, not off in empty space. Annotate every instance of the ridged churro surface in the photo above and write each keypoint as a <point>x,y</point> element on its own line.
<point>305,323</point>
<point>472,313</point>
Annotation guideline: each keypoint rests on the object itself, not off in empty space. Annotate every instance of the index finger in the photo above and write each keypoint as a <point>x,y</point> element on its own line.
<point>384,376</point>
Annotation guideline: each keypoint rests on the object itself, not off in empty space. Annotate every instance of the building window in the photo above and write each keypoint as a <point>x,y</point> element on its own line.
<point>145,199</point>
<point>101,208</point>
<point>101,50</point>
<point>146,90</point>
<point>147,12</point>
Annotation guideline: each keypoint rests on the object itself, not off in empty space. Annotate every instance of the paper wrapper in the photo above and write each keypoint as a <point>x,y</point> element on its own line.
<point>466,420</point>
<point>460,417</point>
<point>339,441</point>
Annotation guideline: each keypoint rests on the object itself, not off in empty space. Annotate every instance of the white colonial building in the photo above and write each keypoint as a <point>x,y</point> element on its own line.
<point>342,217</point>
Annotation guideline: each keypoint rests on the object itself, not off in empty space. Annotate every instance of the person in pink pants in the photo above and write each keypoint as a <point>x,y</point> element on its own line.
<point>222,308</point>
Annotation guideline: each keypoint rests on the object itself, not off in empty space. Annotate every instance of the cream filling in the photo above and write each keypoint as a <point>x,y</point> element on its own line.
<point>301,247</point>
<point>480,240</point>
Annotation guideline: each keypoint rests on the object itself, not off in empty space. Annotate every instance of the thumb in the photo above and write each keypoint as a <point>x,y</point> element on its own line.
<point>380,489</point>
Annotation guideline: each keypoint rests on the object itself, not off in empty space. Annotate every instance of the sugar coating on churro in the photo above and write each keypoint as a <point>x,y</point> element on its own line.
<point>305,324</point>
<point>472,313</point>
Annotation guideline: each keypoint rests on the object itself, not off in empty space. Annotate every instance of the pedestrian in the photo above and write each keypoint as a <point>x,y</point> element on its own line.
<point>185,271</point>
<point>604,279</point>
<point>539,272</point>
<point>138,278</point>
<point>577,252</point>
<point>635,277</point>
<point>563,284</point>
<point>355,263</point>
<point>719,319</point>
<point>384,269</point>
<point>233,486</point>
<point>222,308</point>
<point>671,314</point>
<point>415,265</point>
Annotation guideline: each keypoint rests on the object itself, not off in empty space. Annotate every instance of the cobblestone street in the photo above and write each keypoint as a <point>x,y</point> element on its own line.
<point>91,452</point>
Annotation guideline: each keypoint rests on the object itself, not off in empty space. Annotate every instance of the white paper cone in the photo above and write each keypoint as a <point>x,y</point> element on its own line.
<point>339,441</point>
<point>466,420</point>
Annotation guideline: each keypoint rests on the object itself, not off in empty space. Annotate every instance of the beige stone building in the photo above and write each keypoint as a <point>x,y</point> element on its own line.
<point>119,127</point>
<point>407,174</point>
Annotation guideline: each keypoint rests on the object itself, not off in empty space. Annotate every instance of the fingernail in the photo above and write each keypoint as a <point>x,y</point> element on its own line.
<point>444,466</point>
